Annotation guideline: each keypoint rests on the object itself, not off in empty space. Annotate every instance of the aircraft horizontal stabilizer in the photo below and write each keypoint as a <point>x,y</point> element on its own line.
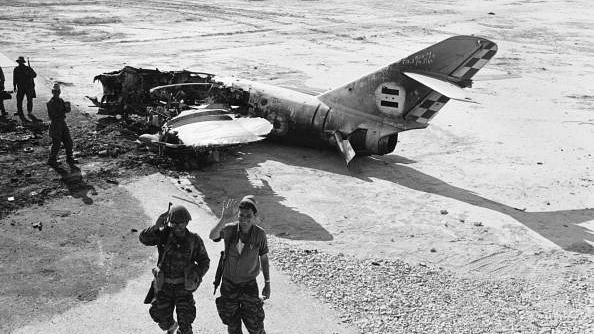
<point>231,131</point>
<point>443,87</point>
<point>200,129</point>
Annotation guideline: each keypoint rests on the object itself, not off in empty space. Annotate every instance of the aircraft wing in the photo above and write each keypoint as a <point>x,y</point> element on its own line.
<point>198,129</point>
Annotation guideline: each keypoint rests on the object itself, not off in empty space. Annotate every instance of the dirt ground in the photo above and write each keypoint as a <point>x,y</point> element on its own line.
<point>497,189</point>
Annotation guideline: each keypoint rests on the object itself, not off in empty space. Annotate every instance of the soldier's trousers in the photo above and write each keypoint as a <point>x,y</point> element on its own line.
<point>60,134</point>
<point>241,302</point>
<point>19,97</point>
<point>170,297</point>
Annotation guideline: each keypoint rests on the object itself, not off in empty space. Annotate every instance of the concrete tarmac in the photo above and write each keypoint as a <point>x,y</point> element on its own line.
<point>289,310</point>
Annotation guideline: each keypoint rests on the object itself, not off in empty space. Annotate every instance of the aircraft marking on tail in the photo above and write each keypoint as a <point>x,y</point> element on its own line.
<point>428,108</point>
<point>476,61</point>
<point>389,98</point>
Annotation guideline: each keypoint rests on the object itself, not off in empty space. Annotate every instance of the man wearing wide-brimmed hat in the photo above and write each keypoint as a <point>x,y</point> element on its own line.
<point>24,84</point>
<point>58,130</point>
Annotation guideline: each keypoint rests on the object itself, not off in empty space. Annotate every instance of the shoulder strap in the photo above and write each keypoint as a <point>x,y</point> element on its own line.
<point>228,243</point>
<point>166,248</point>
<point>163,257</point>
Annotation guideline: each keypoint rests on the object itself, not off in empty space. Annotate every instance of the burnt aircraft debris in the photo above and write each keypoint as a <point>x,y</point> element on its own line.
<point>127,91</point>
<point>204,112</point>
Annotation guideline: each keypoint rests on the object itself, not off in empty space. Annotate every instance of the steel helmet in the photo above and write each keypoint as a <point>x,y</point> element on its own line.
<point>178,214</point>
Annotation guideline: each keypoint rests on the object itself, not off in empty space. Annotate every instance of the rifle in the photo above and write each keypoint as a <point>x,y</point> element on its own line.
<point>166,222</point>
<point>219,274</point>
<point>33,93</point>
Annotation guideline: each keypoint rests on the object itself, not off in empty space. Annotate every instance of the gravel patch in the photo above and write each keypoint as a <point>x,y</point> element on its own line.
<point>391,296</point>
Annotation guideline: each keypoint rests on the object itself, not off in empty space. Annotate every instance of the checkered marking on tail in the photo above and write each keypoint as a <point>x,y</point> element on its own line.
<point>428,108</point>
<point>476,61</point>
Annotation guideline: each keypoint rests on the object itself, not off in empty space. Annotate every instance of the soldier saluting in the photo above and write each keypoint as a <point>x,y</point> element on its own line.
<point>24,85</point>
<point>182,263</point>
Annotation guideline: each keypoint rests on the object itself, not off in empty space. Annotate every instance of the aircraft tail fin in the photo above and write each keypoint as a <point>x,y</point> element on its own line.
<point>417,86</point>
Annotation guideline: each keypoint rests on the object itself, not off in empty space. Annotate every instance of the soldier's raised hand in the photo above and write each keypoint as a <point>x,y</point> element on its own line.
<point>227,212</point>
<point>162,220</point>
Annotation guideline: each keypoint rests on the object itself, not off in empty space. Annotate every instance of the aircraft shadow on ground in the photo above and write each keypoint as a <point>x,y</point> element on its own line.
<point>560,227</point>
<point>75,183</point>
<point>220,182</point>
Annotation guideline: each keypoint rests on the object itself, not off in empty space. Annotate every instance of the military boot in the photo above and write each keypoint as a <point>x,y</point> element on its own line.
<point>173,328</point>
<point>184,328</point>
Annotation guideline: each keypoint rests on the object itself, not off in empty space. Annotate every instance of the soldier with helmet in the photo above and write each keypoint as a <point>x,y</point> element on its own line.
<point>182,263</point>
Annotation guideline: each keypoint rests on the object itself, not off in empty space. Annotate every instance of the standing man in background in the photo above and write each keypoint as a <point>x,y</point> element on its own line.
<point>246,248</point>
<point>2,110</point>
<point>23,79</point>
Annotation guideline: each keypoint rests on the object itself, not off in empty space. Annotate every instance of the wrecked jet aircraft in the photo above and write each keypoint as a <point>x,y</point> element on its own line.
<point>361,117</point>
<point>126,91</point>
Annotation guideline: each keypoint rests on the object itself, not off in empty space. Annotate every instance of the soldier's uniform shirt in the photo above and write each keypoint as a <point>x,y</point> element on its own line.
<point>243,266</point>
<point>56,110</point>
<point>22,78</point>
<point>179,250</point>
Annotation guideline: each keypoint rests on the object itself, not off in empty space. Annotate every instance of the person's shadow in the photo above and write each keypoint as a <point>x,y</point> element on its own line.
<point>77,187</point>
<point>230,179</point>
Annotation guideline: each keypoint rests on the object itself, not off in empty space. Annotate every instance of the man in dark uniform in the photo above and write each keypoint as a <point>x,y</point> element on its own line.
<point>246,248</point>
<point>2,110</point>
<point>183,261</point>
<point>23,80</point>
<point>58,130</point>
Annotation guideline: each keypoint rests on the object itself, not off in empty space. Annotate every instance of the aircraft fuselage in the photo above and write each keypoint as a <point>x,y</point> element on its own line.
<point>303,118</point>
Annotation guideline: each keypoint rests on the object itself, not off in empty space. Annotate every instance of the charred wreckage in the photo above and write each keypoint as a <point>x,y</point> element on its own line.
<point>204,112</point>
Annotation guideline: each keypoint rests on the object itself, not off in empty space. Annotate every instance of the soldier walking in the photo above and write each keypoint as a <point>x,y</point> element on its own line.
<point>182,263</point>
<point>246,248</point>
<point>58,130</point>
<point>24,85</point>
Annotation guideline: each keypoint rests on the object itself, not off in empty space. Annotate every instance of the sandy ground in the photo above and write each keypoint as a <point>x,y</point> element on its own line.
<point>514,173</point>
